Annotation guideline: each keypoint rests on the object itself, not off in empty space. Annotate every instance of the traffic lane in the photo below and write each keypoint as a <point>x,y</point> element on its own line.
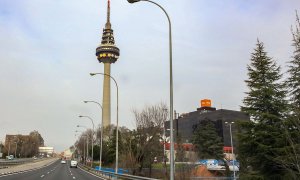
<point>60,172</point>
<point>31,174</point>
<point>63,171</point>
<point>55,171</point>
<point>79,173</point>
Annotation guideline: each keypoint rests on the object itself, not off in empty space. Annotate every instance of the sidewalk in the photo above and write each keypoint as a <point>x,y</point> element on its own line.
<point>28,166</point>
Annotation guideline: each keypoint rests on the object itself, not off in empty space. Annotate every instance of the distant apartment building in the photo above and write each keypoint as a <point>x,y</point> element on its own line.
<point>46,151</point>
<point>68,153</point>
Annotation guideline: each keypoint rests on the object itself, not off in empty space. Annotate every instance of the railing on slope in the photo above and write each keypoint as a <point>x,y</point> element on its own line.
<point>113,175</point>
<point>18,161</point>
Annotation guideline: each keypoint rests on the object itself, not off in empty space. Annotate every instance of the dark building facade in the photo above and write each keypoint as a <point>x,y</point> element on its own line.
<point>185,124</point>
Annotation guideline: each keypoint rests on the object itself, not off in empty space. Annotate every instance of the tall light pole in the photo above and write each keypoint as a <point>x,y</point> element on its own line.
<point>101,133</point>
<point>117,133</point>
<point>171,86</point>
<point>231,142</point>
<point>92,136</point>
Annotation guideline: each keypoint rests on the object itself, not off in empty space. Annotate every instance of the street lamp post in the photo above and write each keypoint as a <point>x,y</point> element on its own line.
<point>231,142</point>
<point>101,133</point>
<point>92,136</point>
<point>117,133</point>
<point>171,86</point>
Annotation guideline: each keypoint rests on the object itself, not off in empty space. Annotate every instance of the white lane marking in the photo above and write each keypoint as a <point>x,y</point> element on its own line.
<point>74,177</point>
<point>42,176</point>
<point>29,170</point>
<point>92,174</point>
<point>48,172</point>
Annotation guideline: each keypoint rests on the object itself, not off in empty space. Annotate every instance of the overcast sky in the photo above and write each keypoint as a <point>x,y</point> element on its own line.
<point>48,50</point>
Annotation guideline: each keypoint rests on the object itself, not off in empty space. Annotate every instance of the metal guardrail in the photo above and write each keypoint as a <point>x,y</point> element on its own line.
<point>112,175</point>
<point>215,178</point>
<point>18,161</point>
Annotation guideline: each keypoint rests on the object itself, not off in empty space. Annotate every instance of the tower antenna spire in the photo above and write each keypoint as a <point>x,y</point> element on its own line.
<point>108,25</point>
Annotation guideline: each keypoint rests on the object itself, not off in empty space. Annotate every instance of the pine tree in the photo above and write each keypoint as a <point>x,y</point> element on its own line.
<point>293,81</point>
<point>265,102</point>
<point>180,151</point>
<point>111,154</point>
<point>291,160</point>
<point>208,143</point>
<point>261,140</point>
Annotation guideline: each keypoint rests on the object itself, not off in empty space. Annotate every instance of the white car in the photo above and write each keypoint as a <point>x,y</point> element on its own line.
<point>73,164</point>
<point>63,161</point>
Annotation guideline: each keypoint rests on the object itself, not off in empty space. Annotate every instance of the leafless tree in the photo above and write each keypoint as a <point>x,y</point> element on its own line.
<point>144,143</point>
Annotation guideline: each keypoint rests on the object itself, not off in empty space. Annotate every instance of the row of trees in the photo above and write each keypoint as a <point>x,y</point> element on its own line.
<point>23,145</point>
<point>269,145</point>
<point>138,147</point>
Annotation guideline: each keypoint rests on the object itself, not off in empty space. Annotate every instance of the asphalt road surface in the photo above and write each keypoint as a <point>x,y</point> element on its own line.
<point>55,171</point>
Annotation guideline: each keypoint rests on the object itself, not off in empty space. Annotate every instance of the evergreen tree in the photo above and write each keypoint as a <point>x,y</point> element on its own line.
<point>293,81</point>
<point>291,160</point>
<point>112,145</point>
<point>261,140</point>
<point>265,101</point>
<point>207,142</point>
<point>180,151</point>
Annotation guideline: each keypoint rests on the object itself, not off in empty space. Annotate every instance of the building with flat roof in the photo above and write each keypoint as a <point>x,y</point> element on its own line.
<point>46,151</point>
<point>185,124</point>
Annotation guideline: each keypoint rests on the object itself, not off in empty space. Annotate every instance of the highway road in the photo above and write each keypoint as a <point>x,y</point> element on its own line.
<point>55,171</point>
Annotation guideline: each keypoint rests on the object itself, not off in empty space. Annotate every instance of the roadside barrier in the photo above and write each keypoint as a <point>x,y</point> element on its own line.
<point>112,175</point>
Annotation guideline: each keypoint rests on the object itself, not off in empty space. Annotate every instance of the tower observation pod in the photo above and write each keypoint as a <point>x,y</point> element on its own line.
<point>107,53</point>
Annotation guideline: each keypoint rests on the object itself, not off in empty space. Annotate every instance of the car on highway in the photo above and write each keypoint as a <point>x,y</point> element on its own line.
<point>73,164</point>
<point>63,161</point>
<point>10,157</point>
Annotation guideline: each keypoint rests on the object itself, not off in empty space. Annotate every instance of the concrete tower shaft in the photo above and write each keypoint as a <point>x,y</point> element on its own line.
<point>106,97</point>
<point>107,53</point>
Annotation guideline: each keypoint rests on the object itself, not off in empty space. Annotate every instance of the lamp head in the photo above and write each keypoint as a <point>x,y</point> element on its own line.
<point>92,74</point>
<point>80,116</point>
<point>133,1</point>
<point>85,101</point>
